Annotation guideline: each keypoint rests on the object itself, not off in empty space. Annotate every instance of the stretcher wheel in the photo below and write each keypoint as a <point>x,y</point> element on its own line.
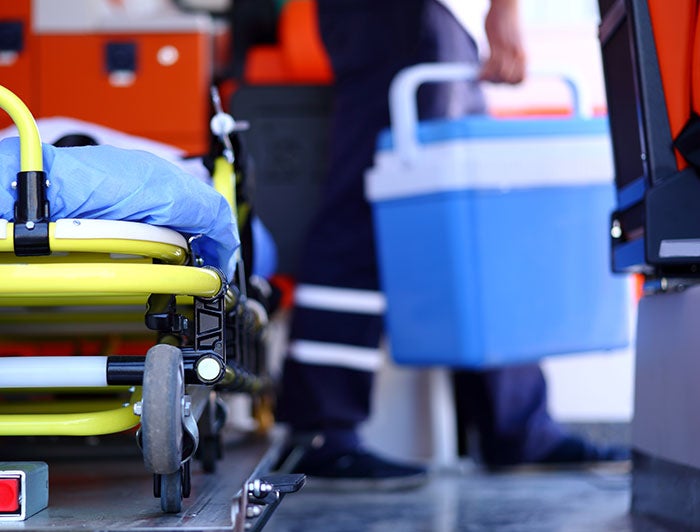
<point>210,452</point>
<point>171,492</point>
<point>186,476</point>
<point>210,449</point>
<point>161,417</point>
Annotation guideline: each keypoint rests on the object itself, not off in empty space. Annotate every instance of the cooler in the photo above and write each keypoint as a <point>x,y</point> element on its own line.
<point>493,235</point>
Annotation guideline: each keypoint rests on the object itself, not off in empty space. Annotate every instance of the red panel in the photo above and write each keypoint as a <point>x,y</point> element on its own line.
<point>9,495</point>
<point>299,57</point>
<point>674,30</point>
<point>302,47</point>
<point>265,64</point>
<point>695,87</point>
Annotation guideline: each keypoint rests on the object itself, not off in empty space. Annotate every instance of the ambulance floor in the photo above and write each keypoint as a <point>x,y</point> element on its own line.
<point>100,483</point>
<point>467,498</point>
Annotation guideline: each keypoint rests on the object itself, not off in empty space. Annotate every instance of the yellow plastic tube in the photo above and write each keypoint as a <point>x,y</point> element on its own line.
<point>29,139</point>
<point>42,280</point>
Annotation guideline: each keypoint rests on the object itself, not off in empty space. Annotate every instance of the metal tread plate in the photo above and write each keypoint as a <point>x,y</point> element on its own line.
<point>106,487</point>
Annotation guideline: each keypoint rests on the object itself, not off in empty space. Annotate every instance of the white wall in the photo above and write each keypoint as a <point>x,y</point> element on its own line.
<point>559,36</point>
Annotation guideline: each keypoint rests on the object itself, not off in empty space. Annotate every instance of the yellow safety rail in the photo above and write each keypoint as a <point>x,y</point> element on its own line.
<point>224,180</point>
<point>165,252</point>
<point>48,280</point>
<point>118,416</point>
<point>29,140</point>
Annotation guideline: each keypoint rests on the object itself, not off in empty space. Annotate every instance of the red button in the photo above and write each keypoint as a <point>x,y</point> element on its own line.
<point>9,495</point>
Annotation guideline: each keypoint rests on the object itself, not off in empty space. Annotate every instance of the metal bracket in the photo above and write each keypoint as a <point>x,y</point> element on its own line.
<point>209,322</point>
<point>162,316</point>
<point>31,215</point>
<point>265,494</point>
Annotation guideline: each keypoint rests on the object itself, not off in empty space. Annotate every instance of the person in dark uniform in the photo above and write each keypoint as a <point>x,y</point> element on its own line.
<point>337,320</point>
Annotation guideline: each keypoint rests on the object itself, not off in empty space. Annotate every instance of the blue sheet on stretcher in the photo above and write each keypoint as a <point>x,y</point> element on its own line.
<point>104,182</point>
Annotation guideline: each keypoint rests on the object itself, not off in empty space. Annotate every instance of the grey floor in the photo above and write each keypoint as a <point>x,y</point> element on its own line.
<point>467,498</point>
<point>103,486</point>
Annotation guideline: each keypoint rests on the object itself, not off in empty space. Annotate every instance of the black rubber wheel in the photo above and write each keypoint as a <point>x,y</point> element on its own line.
<point>186,475</point>
<point>209,452</point>
<point>171,492</point>
<point>210,424</point>
<point>156,485</point>
<point>161,415</point>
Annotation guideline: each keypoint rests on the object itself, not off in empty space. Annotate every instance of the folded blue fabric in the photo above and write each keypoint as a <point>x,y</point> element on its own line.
<point>118,184</point>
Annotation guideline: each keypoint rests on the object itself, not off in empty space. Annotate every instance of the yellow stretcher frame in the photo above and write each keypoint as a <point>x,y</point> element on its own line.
<point>71,418</point>
<point>85,272</point>
<point>167,252</point>
<point>41,280</point>
<point>30,157</point>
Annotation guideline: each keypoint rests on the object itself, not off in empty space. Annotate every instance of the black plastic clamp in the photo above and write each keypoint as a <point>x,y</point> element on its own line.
<point>31,216</point>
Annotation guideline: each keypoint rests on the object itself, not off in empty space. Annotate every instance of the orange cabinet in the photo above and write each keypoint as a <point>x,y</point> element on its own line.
<point>16,49</point>
<point>154,85</point>
<point>146,74</point>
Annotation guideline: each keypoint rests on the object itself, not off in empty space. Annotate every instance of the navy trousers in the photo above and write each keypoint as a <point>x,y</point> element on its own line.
<point>337,320</point>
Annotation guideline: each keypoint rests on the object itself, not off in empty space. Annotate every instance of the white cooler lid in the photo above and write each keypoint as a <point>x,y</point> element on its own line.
<point>481,127</point>
<point>493,153</point>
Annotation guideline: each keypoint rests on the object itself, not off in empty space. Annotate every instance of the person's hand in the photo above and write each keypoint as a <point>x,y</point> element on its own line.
<point>506,62</point>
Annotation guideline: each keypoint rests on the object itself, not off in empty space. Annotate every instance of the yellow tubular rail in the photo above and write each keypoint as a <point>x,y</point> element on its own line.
<point>49,280</point>
<point>59,407</point>
<point>81,299</point>
<point>72,424</point>
<point>30,141</point>
<point>224,180</point>
<point>101,248</point>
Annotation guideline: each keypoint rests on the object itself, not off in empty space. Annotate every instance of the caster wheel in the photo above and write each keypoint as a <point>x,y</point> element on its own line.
<point>209,452</point>
<point>171,492</point>
<point>161,416</point>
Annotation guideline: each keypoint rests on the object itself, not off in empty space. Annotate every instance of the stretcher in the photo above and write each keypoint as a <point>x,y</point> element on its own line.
<point>113,325</point>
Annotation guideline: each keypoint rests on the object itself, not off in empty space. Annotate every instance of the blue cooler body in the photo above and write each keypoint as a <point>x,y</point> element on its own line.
<point>493,242</point>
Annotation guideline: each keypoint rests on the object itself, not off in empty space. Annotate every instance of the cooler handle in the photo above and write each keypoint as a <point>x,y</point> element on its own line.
<point>403,109</point>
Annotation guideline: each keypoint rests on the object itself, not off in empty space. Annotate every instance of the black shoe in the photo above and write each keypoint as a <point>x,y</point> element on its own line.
<point>575,450</point>
<point>570,452</point>
<point>354,469</point>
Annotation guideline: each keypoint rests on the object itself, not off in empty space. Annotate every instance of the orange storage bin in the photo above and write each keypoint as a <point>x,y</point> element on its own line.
<point>164,97</point>
<point>16,47</point>
<point>144,74</point>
